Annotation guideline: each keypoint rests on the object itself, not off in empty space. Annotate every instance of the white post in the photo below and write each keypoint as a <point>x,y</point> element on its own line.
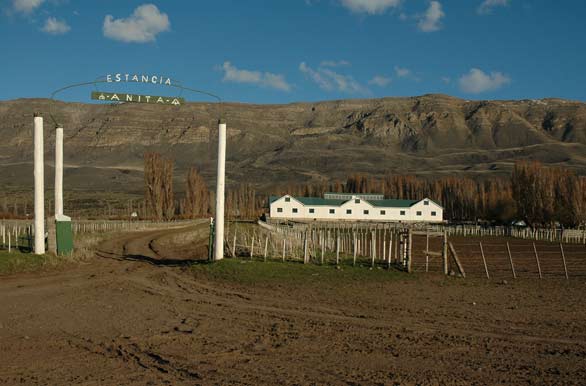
<point>39,168</point>
<point>58,171</point>
<point>219,241</point>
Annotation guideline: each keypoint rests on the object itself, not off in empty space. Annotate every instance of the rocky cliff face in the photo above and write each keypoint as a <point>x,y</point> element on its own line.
<point>268,144</point>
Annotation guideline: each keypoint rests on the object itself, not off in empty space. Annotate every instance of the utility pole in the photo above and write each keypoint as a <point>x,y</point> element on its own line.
<point>39,170</point>
<point>220,192</point>
<point>58,171</point>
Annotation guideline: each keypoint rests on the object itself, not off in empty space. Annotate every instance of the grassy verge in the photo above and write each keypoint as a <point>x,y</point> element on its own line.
<point>16,262</point>
<point>259,272</point>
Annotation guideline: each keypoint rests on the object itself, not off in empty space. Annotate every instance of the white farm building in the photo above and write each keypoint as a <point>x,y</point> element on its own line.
<point>354,207</point>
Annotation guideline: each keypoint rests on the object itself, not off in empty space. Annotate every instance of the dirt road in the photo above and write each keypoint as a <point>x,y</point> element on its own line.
<point>137,315</point>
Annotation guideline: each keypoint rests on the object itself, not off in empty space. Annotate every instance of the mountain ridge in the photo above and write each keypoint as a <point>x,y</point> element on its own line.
<point>432,134</point>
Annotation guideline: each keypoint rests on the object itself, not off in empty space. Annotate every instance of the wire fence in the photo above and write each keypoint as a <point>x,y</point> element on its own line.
<point>574,236</point>
<point>477,254</point>
<point>18,234</point>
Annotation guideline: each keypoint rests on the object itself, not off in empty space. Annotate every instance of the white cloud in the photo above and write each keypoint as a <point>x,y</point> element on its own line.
<point>446,79</point>
<point>346,83</point>
<point>487,6</point>
<point>380,81</point>
<point>316,77</point>
<point>333,63</point>
<point>431,20</point>
<point>55,26</point>
<point>26,6</point>
<point>371,7</point>
<point>330,80</point>
<point>476,81</point>
<point>143,26</point>
<point>402,72</point>
<point>264,79</point>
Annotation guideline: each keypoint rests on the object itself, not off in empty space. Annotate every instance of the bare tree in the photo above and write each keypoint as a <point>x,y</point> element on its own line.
<point>197,195</point>
<point>158,175</point>
<point>167,188</point>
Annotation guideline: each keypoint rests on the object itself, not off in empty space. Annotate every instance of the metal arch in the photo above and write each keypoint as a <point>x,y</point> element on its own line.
<point>67,88</point>
<point>220,101</point>
<point>101,79</point>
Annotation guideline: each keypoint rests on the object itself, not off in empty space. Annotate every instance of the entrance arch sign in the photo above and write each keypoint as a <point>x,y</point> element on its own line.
<point>137,98</point>
<point>154,79</point>
<point>122,78</point>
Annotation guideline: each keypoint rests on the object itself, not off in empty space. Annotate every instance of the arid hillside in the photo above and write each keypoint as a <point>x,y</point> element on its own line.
<point>270,144</point>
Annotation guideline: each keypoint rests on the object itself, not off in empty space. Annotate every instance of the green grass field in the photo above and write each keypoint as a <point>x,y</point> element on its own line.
<point>272,272</point>
<point>14,262</point>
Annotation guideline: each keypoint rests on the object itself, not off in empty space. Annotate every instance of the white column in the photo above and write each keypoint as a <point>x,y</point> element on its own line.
<point>39,186</point>
<point>219,240</point>
<point>58,171</point>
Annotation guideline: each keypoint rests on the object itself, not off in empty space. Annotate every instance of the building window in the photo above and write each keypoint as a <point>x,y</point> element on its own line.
<point>357,201</point>
<point>295,210</point>
<point>348,211</point>
<point>433,214</point>
<point>425,202</point>
<point>402,213</point>
<point>418,213</point>
<point>383,212</point>
<point>279,210</point>
<point>332,211</point>
<point>365,211</point>
<point>287,199</point>
<point>311,210</point>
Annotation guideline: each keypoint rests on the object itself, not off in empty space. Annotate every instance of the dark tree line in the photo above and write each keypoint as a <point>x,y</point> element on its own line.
<point>535,193</point>
<point>545,195</point>
<point>462,198</point>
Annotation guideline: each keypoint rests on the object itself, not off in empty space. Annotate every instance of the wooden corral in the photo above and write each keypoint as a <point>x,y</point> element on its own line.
<point>375,245</point>
<point>412,250</point>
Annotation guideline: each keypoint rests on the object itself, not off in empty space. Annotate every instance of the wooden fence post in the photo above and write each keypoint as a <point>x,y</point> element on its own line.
<point>511,260</point>
<point>338,247</point>
<point>458,263</point>
<point>355,248</point>
<point>372,247</point>
<point>537,259</point>
<point>234,243</point>
<point>427,251</point>
<point>484,261</point>
<point>564,260</point>
<point>384,244</point>
<point>323,246</point>
<point>305,251</point>
<point>410,252</point>
<point>266,247</point>
<point>445,253</point>
<point>284,241</point>
<point>390,249</point>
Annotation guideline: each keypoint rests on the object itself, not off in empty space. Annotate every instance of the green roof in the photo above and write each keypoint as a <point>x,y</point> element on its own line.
<point>356,194</point>
<point>311,201</point>
<point>393,203</point>
<point>318,201</point>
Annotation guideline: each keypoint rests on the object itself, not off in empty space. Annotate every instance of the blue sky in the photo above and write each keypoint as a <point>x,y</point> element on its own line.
<point>279,51</point>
